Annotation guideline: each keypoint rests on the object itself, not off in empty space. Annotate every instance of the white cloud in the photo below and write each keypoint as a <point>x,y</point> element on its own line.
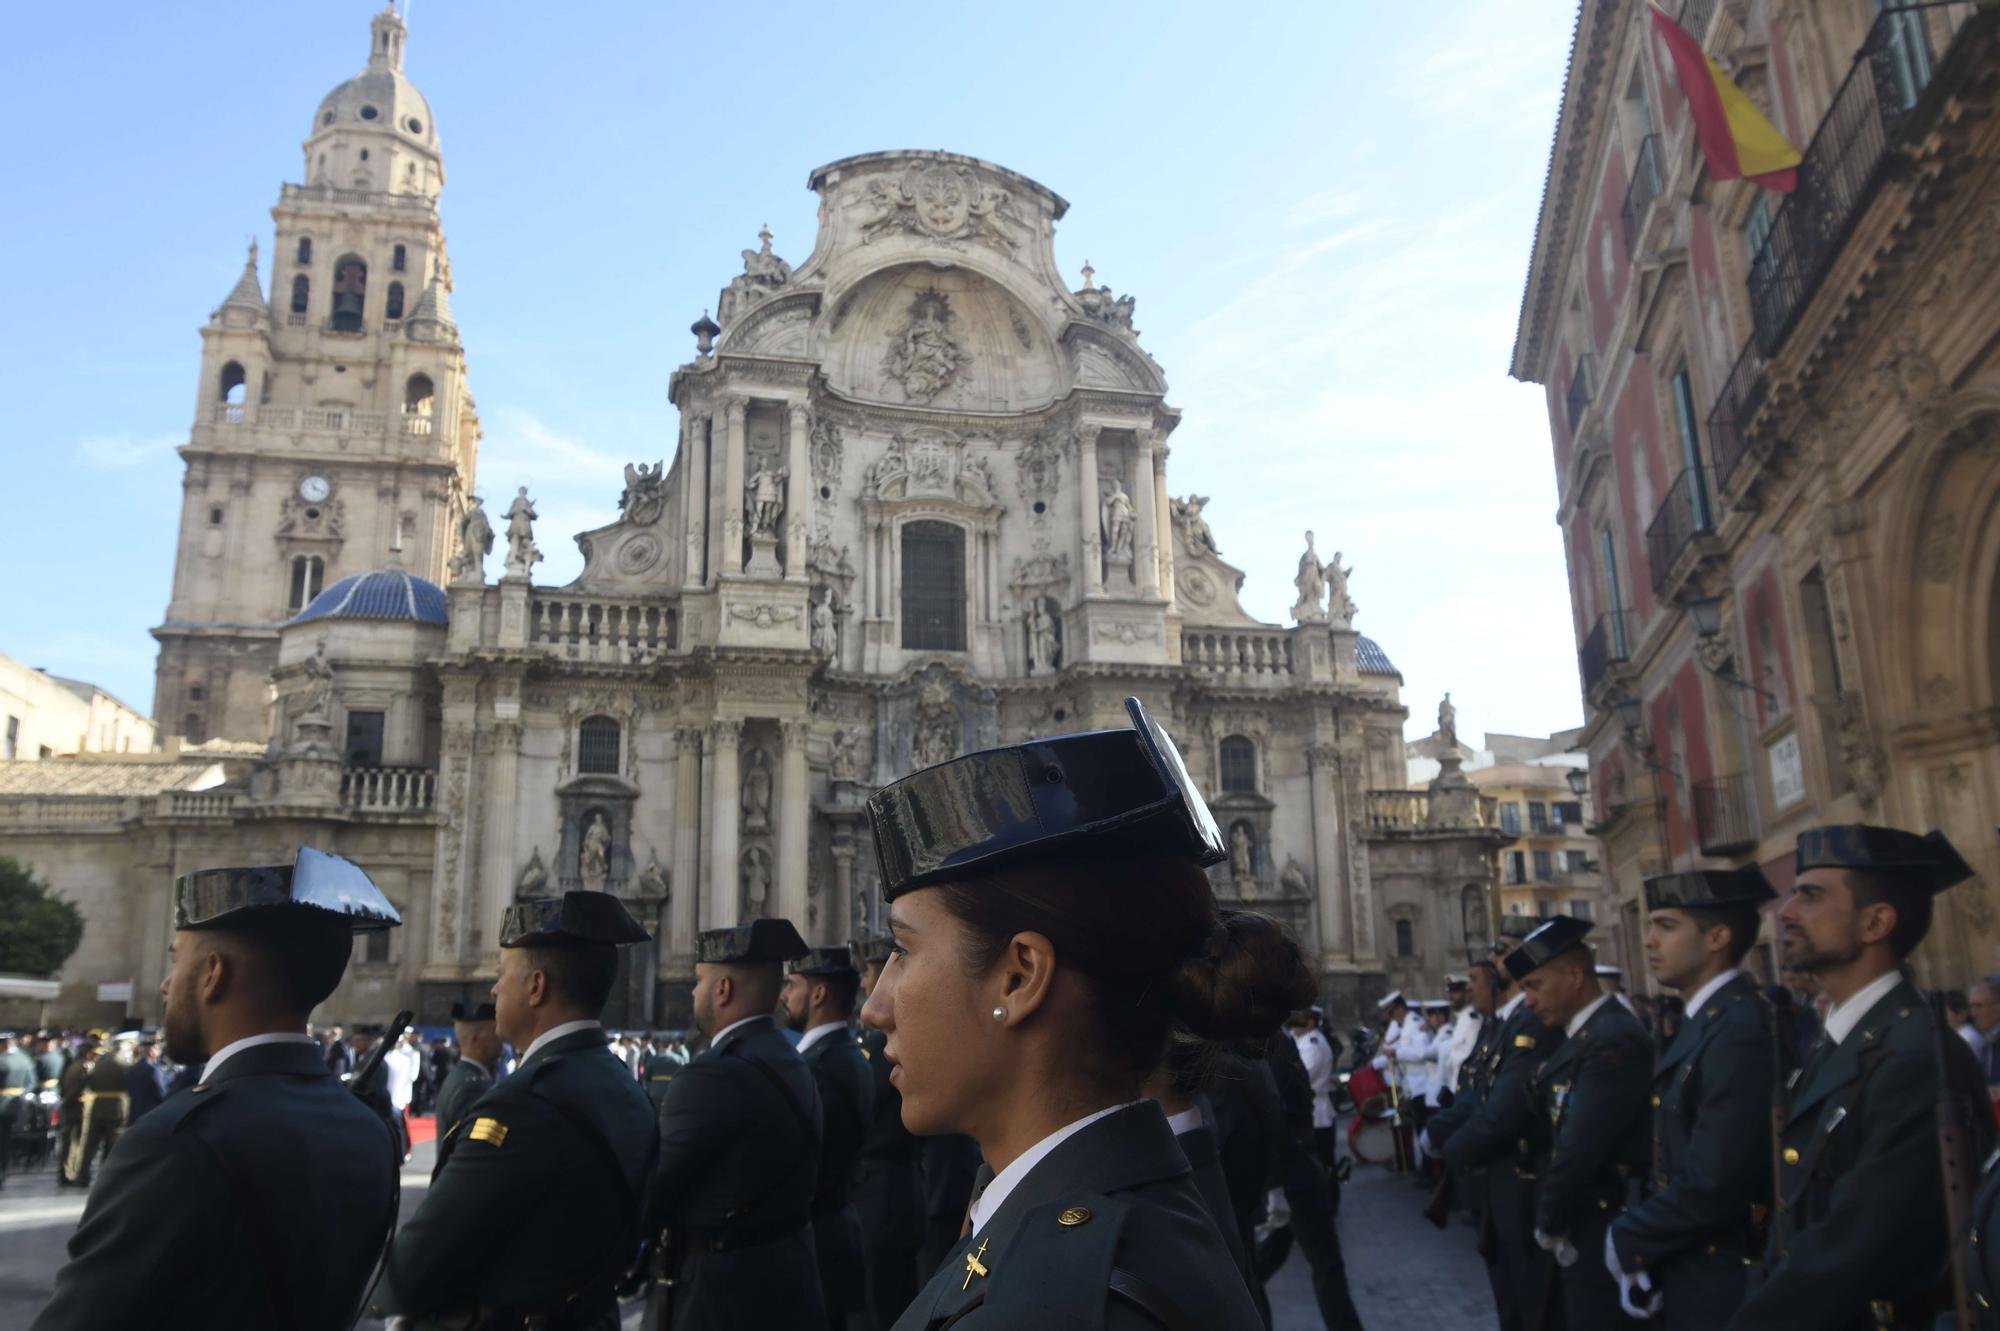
<point>123,450</point>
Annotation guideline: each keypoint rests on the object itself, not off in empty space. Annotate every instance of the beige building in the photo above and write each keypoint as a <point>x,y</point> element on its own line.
<point>48,716</point>
<point>917,504</point>
<point>1776,425</point>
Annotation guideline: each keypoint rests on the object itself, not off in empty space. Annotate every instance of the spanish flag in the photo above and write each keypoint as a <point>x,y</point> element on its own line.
<point>1737,138</point>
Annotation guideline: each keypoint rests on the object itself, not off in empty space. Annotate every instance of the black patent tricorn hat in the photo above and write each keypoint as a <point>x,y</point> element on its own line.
<point>754,940</point>
<point>823,961</point>
<point>1557,935</point>
<point>574,918</point>
<point>314,880</point>
<point>1697,888</point>
<point>872,951</point>
<point>1929,863</point>
<point>1098,792</point>
<point>472,1012</point>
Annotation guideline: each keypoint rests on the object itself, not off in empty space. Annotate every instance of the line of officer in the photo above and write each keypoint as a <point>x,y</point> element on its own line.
<point>567,1135</point>
<point>196,1221</point>
<point>819,1004</point>
<point>17,1079</point>
<point>889,1191</point>
<point>657,1069</point>
<point>739,1146</point>
<point>471,1075</point>
<point>1682,1253</point>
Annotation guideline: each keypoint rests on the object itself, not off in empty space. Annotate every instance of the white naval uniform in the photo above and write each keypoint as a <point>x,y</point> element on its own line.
<point>1317,1055</point>
<point>1463,1035</point>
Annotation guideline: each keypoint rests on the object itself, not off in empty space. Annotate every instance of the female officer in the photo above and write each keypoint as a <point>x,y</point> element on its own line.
<point>1051,923</point>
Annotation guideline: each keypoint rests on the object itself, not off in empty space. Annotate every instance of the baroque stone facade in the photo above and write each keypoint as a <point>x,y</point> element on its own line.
<point>917,505</point>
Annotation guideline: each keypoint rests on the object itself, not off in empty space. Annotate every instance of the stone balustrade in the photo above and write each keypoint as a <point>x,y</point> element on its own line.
<point>616,630</point>
<point>1250,654</point>
<point>1392,811</point>
<point>325,420</point>
<point>388,789</point>
<point>198,803</point>
<point>31,811</point>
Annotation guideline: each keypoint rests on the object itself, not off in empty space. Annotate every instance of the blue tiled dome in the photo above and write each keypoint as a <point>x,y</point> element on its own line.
<point>1369,658</point>
<point>387,593</point>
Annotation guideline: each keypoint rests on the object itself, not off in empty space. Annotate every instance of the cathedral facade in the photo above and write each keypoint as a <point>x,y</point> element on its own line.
<point>917,505</point>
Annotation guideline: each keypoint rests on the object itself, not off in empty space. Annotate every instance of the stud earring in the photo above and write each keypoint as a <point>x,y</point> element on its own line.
<point>999,1014</point>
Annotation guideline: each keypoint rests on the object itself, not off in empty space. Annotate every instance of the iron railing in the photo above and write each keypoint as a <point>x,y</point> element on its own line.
<point>1725,817</point>
<point>1696,15</point>
<point>1685,514</point>
<point>1729,420</point>
<point>1580,390</point>
<point>1606,645</point>
<point>1843,167</point>
<point>1645,187</point>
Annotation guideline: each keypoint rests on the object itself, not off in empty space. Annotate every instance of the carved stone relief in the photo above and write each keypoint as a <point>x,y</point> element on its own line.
<point>941,202</point>
<point>925,355</point>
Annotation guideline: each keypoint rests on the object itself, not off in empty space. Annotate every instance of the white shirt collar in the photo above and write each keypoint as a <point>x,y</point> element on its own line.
<point>1707,991</point>
<point>1576,1022</point>
<point>988,1203</point>
<point>1185,1121</point>
<point>816,1033</point>
<point>554,1033</point>
<point>228,1051</point>
<point>723,1034</point>
<point>1846,1016</point>
<point>1506,1009</point>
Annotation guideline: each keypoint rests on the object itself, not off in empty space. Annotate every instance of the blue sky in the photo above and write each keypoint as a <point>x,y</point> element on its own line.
<point>1324,211</point>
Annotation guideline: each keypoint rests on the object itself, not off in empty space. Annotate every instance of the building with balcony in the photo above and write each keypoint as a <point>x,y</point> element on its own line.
<point>1776,429</point>
<point>916,504</point>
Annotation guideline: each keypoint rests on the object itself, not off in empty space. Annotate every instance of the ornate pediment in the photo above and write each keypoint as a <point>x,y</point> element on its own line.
<point>1099,358</point>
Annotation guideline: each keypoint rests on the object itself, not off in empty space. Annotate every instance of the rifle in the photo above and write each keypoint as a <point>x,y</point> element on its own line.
<point>380,1104</point>
<point>1957,1160</point>
<point>1779,1118</point>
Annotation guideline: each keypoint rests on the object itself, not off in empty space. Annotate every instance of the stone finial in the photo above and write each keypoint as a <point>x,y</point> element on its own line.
<point>1089,276</point>
<point>705,332</point>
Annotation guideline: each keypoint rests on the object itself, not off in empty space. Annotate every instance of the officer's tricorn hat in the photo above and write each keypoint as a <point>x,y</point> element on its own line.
<point>823,961</point>
<point>1104,791</point>
<point>1698,888</point>
<point>872,951</point>
<point>572,919</point>
<point>315,881</point>
<point>1929,863</point>
<point>755,940</point>
<point>1557,935</point>
<point>472,1012</point>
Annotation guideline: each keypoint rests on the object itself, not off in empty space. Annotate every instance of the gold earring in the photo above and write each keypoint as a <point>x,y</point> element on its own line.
<point>1000,1014</point>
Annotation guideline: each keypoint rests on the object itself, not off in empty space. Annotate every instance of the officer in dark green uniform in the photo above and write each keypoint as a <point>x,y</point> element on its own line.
<point>1860,1238</point>
<point>534,1213</point>
<point>17,1079</point>
<point>471,1076</point>
<point>1488,1138</point>
<point>197,1220</point>
<point>889,1192</point>
<point>50,1063</point>
<point>739,1152</point>
<point>1682,1252</point>
<point>819,1003</point>
<point>1594,1092</point>
<point>658,1069</point>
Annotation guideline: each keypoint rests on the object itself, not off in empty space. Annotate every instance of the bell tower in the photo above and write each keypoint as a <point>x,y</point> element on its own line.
<point>332,418</point>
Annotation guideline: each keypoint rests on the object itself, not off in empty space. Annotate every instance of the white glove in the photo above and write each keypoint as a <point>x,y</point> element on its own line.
<point>1424,1143</point>
<point>1611,1258</point>
<point>1564,1250</point>
<point>1379,1062</point>
<point>1277,1211</point>
<point>1643,1284</point>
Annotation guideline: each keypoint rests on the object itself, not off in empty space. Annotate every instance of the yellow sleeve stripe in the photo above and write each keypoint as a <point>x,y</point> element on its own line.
<point>489,1130</point>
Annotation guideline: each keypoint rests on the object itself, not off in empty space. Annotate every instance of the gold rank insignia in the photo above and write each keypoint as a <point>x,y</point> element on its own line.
<point>489,1130</point>
<point>973,1266</point>
<point>1524,1042</point>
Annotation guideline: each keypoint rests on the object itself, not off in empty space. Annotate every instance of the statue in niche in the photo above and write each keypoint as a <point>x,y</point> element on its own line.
<point>757,791</point>
<point>1044,638</point>
<point>756,881</point>
<point>847,754</point>
<point>1194,527</point>
<point>645,496</point>
<point>1116,512</point>
<point>923,356</point>
<point>318,696</point>
<point>1293,880</point>
<point>534,878</point>
<point>475,541</point>
<point>1242,853</point>
<point>1310,608</point>
<point>1448,722</point>
<point>594,860</point>
<point>653,880</point>
<point>762,268</point>
<point>521,552</point>
<point>766,498</point>
<point>1338,603</point>
<point>938,733</point>
<point>825,626</point>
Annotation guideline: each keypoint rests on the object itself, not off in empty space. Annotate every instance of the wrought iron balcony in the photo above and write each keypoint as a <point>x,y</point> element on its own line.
<point>1687,513</point>
<point>1844,165</point>
<point>1582,386</point>
<point>1729,421</point>
<point>1696,15</point>
<point>1645,187</point>
<point>1607,645</point>
<point>1725,818</point>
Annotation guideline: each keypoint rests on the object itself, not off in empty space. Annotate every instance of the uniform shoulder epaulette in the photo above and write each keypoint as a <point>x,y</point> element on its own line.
<point>176,1111</point>
<point>1524,1042</point>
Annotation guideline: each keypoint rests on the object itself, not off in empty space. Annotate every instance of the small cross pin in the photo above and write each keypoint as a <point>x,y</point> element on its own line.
<point>973,1266</point>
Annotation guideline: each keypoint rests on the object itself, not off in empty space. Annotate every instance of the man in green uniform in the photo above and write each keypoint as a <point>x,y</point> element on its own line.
<point>567,1137</point>
<point>471,1076</point>
<point>262,1196</point>
<point>889,1192</point>
<point>659,1069</point>
<point>1860,1238</point>
<point>819,1003</point>
<point>739,1152</point>
<point>50,1062</point>
<point>17,1080</point>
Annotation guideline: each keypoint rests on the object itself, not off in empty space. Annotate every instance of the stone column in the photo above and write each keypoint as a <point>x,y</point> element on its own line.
<point>841,906</point>
<point>1329,869</point>
<point>1163,522</point>
<point>685,917</point>
<point>694,494</point>
<point>794,810</point>
<point>1086,494</point>
<point>798,492</point>
<point>725,792</point>
<point>732,485</point>
<point>1145,516</point>
<point>497,845</point>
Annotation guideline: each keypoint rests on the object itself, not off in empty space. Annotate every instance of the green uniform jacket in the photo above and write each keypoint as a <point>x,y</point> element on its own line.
<point>50,1065</point>
<point>846,1088</point>
<point>463,1086</point>
<point>890,1194</point>
<point>17,1079</point>
<point>258,1198</point>
<point>535,1204</point>
<point>1860,1187</point>
<point>1107,1230</point>
<point>1595,1093</point>
<point>659,1071</point>
<point>1491,1133</point>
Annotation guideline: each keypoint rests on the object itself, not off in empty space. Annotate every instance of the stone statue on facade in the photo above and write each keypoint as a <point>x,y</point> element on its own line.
<point>1194,527</point>
<point>1447,723</point>
<point>653,879</point>
<point>1310,608</point>
<point>318,695</point>
<point>475,542</point>
<point>1044,638</point>
<point>645,494</point>
<point>534,877</point>
<point>923,356</point>
<point>1242,853</point>
<point>1340,606</point>
<point>756,791</point>
<point>937,734</point>
<point>594,861</point>
<point>1117,517</point>
<point>825,625</point>
<point>762,268</point>
<point>846,764</point>
<point>1292,882</point>
<point>521,552</point>
<point>766,499</point>
<point>756,881</point>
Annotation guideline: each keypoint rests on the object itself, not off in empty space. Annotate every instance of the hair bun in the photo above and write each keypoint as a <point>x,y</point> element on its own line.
<point>1246,980</point>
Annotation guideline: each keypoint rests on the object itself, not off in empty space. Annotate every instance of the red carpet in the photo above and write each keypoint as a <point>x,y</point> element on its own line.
<point>423,1129</point>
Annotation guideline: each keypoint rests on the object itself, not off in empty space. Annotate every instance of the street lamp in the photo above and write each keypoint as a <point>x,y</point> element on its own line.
<point>1631,713</point>
<point>1713,649</point>
<point>1578,778</point>
<point>1706,612</point>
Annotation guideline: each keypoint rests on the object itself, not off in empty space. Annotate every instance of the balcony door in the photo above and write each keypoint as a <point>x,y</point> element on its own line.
<point>1903,62</point>
<point>1614,597</point>
<point>1685,418</point>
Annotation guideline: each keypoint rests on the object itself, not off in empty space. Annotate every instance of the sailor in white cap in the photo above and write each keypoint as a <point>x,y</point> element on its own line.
<point>1611,979</point>
<point>1464,1032</point>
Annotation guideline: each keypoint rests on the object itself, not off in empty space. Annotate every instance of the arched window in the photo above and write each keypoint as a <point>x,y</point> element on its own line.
<point>350,290</point>
<point>191,728</point>
<point>232,385</point>
<point>301,293</point>
<point>401,260</point>
<point>597,745</point>
<point>1239,765</point>
<point>393,307</point>
<point>934,587</point>
<point>308,573</point>
<point>419,395</point>
<point>1406,938</point>
<point>305,249</point>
